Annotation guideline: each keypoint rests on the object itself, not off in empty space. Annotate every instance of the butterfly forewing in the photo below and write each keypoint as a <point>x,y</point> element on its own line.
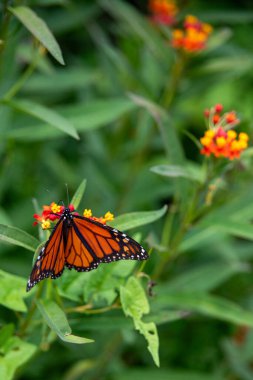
<point>106,244</point>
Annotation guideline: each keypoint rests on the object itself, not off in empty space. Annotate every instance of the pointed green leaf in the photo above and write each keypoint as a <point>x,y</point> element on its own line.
<point>57,321</point>
<point>18,237</point>
<point>39,30</point>
<point>12,291</point>
<point>97,114</point>
<point>77,197</point>
<point>45,114</point>
<point>136,219</point>
<point>189,172</point>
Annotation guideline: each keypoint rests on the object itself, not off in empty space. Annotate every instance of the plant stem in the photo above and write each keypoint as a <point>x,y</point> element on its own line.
<point>172,86</point>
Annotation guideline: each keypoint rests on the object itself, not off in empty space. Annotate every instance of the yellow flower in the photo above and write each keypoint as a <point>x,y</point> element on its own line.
<point>206,141</point>
<point>45,224</point>
<point>210,133</point>
<point>231,134</point>
<point>87,213</point>
<point>243,136</point>
<point>55,208</point>
<point>221,142</point>
<point>108,216</point>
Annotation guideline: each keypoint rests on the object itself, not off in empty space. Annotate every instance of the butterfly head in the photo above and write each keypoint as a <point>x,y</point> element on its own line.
<point>67,213</point>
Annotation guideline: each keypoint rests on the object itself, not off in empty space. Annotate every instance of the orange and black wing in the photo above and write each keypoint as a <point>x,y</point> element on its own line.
<point>50,262</point>
<point>90,243</point>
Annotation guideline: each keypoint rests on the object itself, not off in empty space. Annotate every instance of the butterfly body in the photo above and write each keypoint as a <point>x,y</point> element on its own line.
<point>82,244</point>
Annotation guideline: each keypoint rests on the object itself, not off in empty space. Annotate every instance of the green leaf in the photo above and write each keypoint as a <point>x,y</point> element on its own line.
<point>5,333</point>
<point>241,230</point>
<point>149,331</point>
<point>175,171</point>
<point>14,354</point>
<point>57,321</point>
<point>209,305</point>
<point>12,291</point>
<point>135,219</point>
<point>135,304</point>
<point>45,114</point>
<point>77,197</point>
<point>133,299</point>
<point>18,237</point>
<point>102,286</point>
<point>100,289</point>
<point>97,114</point>
<point>203,278</point>
<point>39,30</point>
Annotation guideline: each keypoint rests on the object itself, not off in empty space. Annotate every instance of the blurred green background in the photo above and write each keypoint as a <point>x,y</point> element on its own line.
<point>112,51</point>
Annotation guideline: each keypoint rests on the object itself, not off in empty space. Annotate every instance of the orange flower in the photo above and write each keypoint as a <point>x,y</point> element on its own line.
<point>220,140</point>
<point>193,37</point>
<point>163,11</point>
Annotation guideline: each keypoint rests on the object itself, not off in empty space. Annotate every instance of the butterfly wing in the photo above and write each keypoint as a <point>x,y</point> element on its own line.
<point>91,243</point>
<point>50,262</point>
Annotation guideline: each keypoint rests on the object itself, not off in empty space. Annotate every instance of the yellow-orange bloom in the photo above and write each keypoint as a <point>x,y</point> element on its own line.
<point>193,37</point>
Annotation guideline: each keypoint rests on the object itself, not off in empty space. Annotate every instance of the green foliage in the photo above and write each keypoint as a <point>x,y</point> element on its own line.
<point>12,291</point>
<point>135,305</point>
<point>39,29</point>
<point>14,353</point>
<point>57,321</point>
<point>125,113</point>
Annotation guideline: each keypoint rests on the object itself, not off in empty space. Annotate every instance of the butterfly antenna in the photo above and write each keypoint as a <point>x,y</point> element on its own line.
<point>67,189</point>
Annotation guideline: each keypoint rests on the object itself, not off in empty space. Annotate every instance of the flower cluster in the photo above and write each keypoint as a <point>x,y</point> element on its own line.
<point>163,11</point>
<point>220,139</point>
<point>193,37</point>
<point>53,212</point>
<point>102,219</point>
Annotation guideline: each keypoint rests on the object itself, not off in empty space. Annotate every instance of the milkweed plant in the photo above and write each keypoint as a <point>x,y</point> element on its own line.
<point>133,126</point>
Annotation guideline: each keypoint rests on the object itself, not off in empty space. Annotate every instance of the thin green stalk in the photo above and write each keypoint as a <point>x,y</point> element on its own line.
<point>172,86</point>
<point>29,315</point>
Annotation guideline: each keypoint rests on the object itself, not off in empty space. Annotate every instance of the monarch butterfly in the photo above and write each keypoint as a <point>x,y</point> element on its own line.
<point>81,243</point>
